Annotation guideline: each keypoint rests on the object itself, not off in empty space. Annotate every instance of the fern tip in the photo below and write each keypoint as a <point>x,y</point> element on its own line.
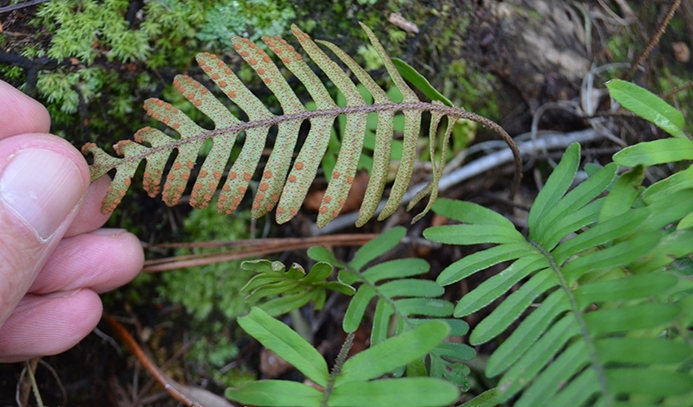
<point>87,148</point>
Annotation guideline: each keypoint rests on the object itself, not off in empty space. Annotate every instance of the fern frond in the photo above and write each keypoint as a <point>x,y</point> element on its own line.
<point>296,287</point>
<point>282,183</point>
<point>611,314</point>
<point>352,383</point>
<point>402,301</point>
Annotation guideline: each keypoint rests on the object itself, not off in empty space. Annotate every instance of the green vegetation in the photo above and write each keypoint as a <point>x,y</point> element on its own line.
<point>591,307</point>
<point>351,383</point>
<point>211,288</point>
<point>211,294</point>
<point>608,278</point>
<point>110,59</point>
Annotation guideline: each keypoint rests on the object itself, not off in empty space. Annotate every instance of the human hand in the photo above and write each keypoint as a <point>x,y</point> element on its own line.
<point>54,259</point>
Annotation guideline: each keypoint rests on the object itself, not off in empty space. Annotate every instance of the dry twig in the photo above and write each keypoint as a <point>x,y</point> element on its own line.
<point>133,347</point>
<point>243,249</point>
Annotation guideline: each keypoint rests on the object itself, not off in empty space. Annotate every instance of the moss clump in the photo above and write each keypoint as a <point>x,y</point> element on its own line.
<point>110,55</point>
<point>211,294</point>
<point>214,288</point>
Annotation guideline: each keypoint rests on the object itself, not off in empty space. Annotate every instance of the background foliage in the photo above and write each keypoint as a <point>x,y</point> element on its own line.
<point>94,62</point>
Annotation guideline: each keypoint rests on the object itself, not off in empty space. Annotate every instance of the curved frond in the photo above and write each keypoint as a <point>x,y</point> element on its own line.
<point>295,287</point>
<point>610,310</point>
<point>284,180</point>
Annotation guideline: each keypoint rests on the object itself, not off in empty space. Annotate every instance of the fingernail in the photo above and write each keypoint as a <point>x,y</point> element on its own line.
<point>42,187</point>
<point>111,232</point>
<point>62,294</point>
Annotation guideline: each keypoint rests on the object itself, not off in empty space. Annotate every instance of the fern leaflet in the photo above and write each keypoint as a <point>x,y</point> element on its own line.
<point>282,183</point>
<point>352,383</point>
<point>295,286</point>
<point>402,301</point>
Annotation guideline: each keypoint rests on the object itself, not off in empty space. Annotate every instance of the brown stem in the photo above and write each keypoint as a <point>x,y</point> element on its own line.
<point>133,347</point>
<point>517,155</point>
<point>253,247</point>
<point>676,90</point>
<point>655,39</point>
<point>186,346</point>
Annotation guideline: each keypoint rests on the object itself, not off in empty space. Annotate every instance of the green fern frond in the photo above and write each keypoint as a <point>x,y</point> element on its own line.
<point>352,383</point>
<point>611,312</point>
<point>402,301</point>
<point>295,286</point>
<point>282,185</point>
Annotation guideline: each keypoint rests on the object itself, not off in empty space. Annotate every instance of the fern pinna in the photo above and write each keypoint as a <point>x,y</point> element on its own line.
<point>355,382</point>
<point>282,184</point>
<point>402,300</point>
<point>296,287</point>
<point>612,309</point>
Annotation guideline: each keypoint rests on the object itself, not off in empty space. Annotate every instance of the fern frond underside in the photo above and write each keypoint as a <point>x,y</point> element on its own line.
<point>282,185</point>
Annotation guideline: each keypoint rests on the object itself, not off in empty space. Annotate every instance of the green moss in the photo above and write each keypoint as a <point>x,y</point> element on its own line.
<point>213,288</point>
<point>31,52</point>
<point>370,57</point>
<point>470,89</point>
<point>617,48</point>
<point>210,294</point>
<point>109,64</point>
<point>11,73</point>
<point>87,29</point>
<point>60,88</point>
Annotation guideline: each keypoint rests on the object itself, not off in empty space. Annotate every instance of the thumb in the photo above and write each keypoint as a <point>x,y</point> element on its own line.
<point>43,180</point>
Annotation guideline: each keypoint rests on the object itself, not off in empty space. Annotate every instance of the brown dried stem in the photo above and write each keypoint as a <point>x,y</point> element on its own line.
<point>247,248</point>
<point>676,90</point>
<point>133,347</point>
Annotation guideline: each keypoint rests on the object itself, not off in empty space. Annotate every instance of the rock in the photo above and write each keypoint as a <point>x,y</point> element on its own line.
<point>535,46</point>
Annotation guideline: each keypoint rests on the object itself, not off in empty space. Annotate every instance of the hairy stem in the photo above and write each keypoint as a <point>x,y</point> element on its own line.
<point>655,39</point>
<point>337,368</point>
<point>452,112</point>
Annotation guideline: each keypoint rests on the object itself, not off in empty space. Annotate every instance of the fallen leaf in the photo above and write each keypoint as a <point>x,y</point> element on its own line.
<point>204,398</point>
<point>271,365</point>
<point>681,52</point>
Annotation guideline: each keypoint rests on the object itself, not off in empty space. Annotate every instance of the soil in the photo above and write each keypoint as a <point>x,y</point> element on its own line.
<point>536,52</point>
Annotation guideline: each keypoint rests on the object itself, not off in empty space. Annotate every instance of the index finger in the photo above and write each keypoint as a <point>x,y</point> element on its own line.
<point>21,114</point>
